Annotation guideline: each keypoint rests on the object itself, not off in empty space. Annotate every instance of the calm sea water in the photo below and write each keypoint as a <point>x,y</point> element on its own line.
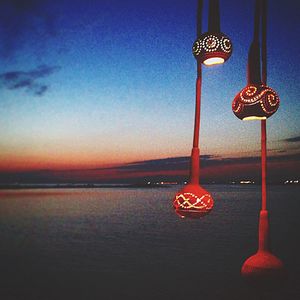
<point>127,243</point>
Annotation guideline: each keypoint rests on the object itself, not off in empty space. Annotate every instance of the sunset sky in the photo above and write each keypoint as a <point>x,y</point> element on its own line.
<point>107,88</point>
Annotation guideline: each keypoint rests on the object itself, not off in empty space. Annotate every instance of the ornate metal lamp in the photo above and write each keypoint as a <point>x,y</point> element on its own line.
<point>212,47</point>
<point>258,101</point>
<point>193,200</point>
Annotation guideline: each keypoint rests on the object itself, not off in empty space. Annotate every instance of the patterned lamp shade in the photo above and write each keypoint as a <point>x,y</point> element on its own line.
<point>212,48</point>
<point>193,201</point>
<point>255,101</point>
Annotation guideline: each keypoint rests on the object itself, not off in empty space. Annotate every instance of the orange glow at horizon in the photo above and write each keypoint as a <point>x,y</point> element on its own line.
<point>70,154</point>
<point>36,160</point>
<point>27,162</point>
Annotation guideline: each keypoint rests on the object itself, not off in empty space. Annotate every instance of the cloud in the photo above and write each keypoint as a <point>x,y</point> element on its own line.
<point>28,80</point>
<point>22,21</point>
<point>206,161</point>
<point>293,139</point>
<point>170,163</point>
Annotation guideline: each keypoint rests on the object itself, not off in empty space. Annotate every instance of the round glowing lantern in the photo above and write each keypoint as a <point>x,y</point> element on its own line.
<point>255,101</point>
<point>192,201</point>
<point>212,48</point>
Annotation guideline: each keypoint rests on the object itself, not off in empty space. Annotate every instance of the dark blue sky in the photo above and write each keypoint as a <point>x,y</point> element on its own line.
<point>89,83</point>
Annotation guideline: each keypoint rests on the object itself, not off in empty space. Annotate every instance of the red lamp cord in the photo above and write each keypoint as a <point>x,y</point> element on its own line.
<point>264,122</point>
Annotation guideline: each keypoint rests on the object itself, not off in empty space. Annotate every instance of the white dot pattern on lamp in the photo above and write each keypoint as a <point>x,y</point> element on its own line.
<point>212,45</point>
<point>255,101</point>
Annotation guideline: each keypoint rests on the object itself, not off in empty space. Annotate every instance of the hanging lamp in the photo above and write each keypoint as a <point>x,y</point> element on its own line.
<point>193,200</point>
<point>256,101</point>
<point>212,47</point>
<point>261,103</point>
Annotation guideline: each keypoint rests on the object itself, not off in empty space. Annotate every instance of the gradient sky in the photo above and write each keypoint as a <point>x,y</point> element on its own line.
<point>90,84</point>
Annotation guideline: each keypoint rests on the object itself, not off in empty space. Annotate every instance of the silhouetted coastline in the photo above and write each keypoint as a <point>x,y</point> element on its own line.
<point>162,184</point>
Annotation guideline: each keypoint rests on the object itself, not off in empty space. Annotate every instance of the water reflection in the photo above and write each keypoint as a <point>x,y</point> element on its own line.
<point>116,242</point>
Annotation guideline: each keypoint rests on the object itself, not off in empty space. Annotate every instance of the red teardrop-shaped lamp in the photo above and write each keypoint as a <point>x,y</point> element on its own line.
<point>193,201</point>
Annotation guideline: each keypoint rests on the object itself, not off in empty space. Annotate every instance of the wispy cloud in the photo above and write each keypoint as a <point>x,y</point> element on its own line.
<point>164,164</point>
<point>207,161</point>
<point>293,139</point>
<point>28,80</point>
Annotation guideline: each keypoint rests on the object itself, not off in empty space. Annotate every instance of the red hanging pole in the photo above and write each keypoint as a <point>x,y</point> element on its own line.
<point>197,106</point>
<point>263,235</point>
<point>263,164</point>
<point>195,156</point>
<point>263,232</point>
<point>264,122</point>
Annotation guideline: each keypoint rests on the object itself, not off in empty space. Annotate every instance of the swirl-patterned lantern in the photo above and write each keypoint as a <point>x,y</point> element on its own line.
<point>193,201</point>
<point>212,48</point>
<point>255,101</point>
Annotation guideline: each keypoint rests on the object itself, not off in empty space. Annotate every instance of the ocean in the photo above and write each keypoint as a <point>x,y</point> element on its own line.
<point>128,243</point>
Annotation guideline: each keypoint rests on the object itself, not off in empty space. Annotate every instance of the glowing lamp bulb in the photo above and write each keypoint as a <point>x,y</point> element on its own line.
<point>212,49</point>
<point>251,118</point>
<point>255,102</point>
<point>192,201</point>
<point>214,61</point>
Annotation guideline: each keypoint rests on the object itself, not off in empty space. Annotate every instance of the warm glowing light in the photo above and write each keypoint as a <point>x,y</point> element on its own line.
<point>192,201</point>
<point>212,49</point>
<point>254,118</point>
<point>255,102</point>
<point>183,201</point>
<point>214,61</point>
